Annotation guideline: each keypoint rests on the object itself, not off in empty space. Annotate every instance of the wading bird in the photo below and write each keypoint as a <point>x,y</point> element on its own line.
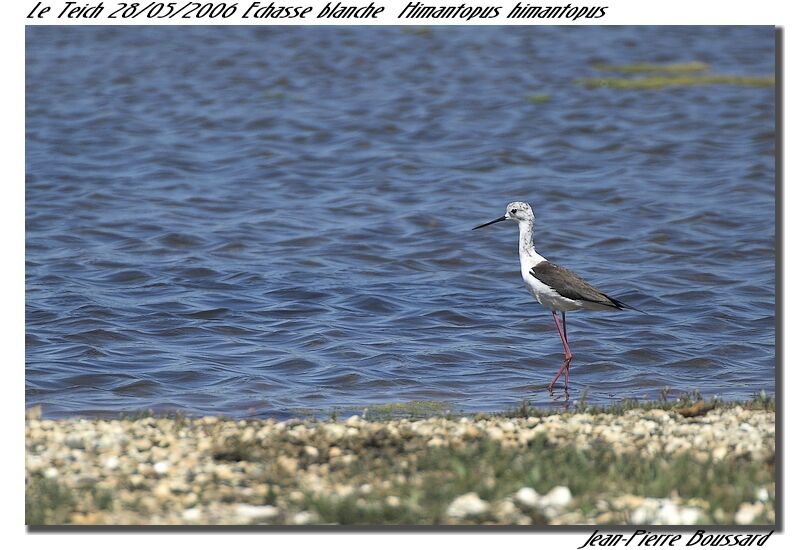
<point>556,288</point>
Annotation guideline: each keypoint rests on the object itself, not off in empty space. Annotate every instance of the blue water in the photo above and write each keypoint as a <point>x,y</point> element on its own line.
<point>262,221</point>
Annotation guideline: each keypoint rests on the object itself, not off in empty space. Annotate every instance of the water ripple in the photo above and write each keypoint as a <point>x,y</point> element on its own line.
<point>219,222</point>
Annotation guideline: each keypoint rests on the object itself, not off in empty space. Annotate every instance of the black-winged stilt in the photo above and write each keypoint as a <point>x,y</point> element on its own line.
<point>556,288</point>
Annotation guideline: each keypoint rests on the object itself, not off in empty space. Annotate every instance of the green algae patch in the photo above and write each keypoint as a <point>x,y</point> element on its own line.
<point>537,99</point>
<point>274,95</point>
<point>418,31</point>
<point>408,409</point>
<point>651,68</point>
<point>657,82</point>
<point>656,76</point>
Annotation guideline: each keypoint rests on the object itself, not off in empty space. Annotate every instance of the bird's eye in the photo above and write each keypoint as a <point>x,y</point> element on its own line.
<point>513,210</point>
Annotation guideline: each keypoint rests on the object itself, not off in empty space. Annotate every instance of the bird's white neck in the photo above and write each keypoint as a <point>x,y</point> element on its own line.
<point>528,256</point>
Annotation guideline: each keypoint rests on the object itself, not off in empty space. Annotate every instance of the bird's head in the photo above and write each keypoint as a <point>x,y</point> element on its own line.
<point>519,212</point>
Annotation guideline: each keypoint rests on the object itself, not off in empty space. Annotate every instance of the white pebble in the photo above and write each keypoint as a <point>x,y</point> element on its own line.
<point>75,441</point>
<point>690,516</point>
<point>304,518</point>
<point>668,514</point>
<point>256,513</point>
<point>191,514</point>
<point>527,497</point>
<point>467,505</point>
<point>640,516</point>
<point>558,497</point>
<point>334,431</point>
<point>748,513</point>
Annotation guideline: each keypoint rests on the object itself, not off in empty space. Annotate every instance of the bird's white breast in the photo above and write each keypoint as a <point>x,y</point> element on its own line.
<point>545,295</point>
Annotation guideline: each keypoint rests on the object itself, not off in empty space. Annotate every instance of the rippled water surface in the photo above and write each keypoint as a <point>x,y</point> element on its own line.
<point>264,221</point>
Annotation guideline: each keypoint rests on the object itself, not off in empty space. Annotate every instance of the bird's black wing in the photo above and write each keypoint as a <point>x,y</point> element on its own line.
<point>571,286</point>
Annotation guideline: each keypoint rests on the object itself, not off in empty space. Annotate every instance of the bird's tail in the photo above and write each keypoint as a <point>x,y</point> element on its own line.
<point>622,305</point>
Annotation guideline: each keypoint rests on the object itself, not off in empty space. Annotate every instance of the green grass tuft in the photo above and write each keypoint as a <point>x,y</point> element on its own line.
<point>495,472</point>
<point>760,401</point>
<point>49,502</point>
<point>414,409</point>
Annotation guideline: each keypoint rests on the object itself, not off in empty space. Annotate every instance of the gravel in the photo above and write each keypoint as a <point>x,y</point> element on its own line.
<point>216,471</point>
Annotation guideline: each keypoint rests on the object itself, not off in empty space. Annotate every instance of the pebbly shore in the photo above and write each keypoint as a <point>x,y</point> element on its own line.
<point>639,466</point>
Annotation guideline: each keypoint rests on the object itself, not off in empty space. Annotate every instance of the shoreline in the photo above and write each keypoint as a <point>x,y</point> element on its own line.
<point>707,464</point>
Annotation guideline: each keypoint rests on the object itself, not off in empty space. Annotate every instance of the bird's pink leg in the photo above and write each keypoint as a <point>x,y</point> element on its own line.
<point>567,354</point>
<point>566,371</point>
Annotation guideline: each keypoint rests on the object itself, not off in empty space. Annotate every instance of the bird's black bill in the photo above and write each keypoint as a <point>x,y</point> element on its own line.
<point>500,219</point>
